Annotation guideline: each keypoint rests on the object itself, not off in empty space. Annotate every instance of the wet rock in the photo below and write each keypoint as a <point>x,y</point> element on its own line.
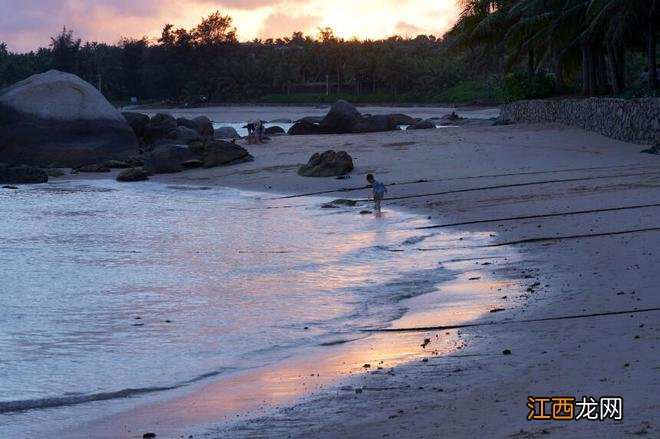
<point>186,135</point>
<point>506,352</point>
<point>281,121</point>
<point>365,212</point>
<point>328,164</point>
<point>133,174</point>
<point>344,202</point>
<point>497,310</point>
<point>148,435</point>
<point>8,186</point>
<point>329,206</point>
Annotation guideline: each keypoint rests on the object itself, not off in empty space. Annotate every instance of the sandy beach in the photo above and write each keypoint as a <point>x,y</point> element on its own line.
<point>557,222</point>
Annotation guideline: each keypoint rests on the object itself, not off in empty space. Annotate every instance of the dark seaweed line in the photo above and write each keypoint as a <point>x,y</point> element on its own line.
<point>504,186</point>
<point>548,215</point>
<point>511,322</point>
<point>350,189</point>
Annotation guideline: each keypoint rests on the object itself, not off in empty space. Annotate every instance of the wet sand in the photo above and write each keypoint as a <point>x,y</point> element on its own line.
<point>585,209</point>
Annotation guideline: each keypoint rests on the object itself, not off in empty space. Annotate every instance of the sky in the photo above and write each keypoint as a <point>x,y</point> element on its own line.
<point>28,24</point>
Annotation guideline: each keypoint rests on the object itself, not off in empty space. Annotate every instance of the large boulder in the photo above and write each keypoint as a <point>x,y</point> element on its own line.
<point>329,164</point>
<point>303,128</point>
<point>341,118</point>
<point>137,121</point>
<point>165,159</point>
<point>22,175</point>
<point>425,124</point>
<point>219,152</point>
<point>374,124</point>
<point>186,135</point>
<point>57,119</point>
<point>226,133</point>
<point>184,122</point>
<point>161,126</point>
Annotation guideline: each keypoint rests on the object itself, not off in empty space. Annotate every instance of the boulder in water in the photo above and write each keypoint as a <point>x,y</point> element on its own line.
<point>57,119</point>
<point>22,175</point>
<point>328,164</point>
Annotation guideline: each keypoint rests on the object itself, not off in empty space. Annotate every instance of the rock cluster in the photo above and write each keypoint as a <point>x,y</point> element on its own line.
<point>630,120</point>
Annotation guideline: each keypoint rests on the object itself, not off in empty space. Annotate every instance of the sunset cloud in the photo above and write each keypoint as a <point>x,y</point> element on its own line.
<point>28,24</point>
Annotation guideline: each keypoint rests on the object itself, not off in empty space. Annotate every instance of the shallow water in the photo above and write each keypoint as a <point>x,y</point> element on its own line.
<point>113,290</point>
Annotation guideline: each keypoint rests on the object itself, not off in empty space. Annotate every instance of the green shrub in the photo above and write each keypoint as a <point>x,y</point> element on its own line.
<point>518,86</point>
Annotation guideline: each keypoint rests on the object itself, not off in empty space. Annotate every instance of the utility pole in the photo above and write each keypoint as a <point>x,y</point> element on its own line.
<point>100,84</point>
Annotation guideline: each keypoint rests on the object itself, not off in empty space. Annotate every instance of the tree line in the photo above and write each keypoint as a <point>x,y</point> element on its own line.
<point>503,49</point>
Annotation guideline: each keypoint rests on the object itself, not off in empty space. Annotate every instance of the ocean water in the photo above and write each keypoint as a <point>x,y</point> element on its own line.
<point>110,292</point>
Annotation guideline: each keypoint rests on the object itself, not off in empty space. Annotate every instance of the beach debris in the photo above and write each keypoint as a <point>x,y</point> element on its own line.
<point>497,310</point>
<point>426,343</point>
<point>148,435</point>
<point>506,352</point>
<point>8,186</point>
<point>475,278</point>
<point>327,164</point>
<point>344,202</point>
<point>366,365</point>
<point>365,212</point>
<point>133,174</point>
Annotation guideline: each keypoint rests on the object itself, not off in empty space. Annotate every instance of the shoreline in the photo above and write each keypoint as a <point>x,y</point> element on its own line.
<point>590,172</point>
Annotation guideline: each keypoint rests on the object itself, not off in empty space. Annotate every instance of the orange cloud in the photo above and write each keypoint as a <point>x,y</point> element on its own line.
<point>28,24</point>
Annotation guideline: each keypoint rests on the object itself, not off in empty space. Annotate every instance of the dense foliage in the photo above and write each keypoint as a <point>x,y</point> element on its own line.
<point>590,43</point>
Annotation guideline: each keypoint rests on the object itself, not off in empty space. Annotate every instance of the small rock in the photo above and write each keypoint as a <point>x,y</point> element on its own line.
<point>148,435</point>
<point>506,352</point>
<point>358,390</point>
<point>116,164</point>
<point>497,309</point>
<point>54,172</point>
<point>9,187</point>
<point>365,212</point>
<point>92,168</point>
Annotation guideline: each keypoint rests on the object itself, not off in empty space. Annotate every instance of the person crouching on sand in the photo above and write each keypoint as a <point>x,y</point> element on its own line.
<point>379,191</point>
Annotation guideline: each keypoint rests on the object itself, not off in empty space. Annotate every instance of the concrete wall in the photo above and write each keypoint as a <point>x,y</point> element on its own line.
<point>630,120</point>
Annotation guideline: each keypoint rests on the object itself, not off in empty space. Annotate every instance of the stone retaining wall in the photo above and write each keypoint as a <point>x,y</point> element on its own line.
<point>634,120</point>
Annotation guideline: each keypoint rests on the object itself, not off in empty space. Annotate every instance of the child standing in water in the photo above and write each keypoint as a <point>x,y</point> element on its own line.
<point>379,191</point>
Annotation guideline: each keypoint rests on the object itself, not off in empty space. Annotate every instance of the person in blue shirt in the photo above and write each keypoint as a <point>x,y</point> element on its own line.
<point>379,191</point>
